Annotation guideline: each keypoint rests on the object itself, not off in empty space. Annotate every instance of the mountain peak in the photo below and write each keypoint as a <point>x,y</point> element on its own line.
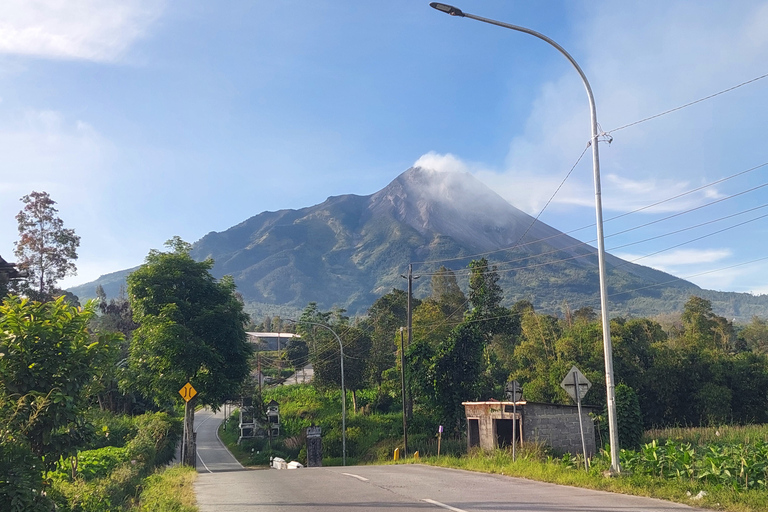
<point>455,204</point>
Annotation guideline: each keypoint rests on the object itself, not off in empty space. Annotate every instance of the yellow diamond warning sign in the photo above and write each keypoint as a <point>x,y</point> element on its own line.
<point>187,392</point>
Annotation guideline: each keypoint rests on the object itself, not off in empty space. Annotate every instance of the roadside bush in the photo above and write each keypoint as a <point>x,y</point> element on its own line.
<point>97,463</point>
<point>108,478</point>
<point>110,429</point>
<point>157,435</point>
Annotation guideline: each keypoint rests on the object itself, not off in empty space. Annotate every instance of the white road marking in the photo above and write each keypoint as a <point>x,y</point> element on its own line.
<point>361,478</point>
<point>201,460</point>
<point>437,503</point>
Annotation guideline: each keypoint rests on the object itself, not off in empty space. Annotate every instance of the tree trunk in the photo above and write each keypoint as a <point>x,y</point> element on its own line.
<point>354,401</point>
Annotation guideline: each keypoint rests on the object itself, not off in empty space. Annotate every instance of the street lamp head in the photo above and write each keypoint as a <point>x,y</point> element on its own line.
<point>448,9</point>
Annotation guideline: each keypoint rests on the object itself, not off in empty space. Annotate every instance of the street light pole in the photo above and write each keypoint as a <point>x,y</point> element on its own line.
<point>343,389</point>
<point>607,347</point>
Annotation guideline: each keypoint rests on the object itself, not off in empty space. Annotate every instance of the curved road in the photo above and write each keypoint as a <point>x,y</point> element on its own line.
<point>223,485</point>
<point>212,455</point>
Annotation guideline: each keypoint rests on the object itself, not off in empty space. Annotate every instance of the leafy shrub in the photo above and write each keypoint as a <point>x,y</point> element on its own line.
<point>629,417</point>
<point>110,429</point>
<point>157,435</point>
<point>109,476</point>
<point>97,463</point>
<point>21,480</point>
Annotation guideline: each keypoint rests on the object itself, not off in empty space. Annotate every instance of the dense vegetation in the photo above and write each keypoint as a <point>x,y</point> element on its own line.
<point>693,368</point>
<point>89,408</point>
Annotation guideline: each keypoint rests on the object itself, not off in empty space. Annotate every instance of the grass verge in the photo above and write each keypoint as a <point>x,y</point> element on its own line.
<point>169,490</point>
<point>553,471</point>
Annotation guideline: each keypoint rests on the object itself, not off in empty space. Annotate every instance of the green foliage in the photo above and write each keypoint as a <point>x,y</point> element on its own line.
<point>705,330</point>
<point>191,329</point>
<point>21,480</point>
<point>629,417</point>
<point>739,466</point>
<point>97,463</point>
<point>756,335</point>
<point>108,478</point>
<point>47,359</point>
<point>385,316</point>
<point>324,332</point>
<point>485,294</point>
<point>447,293</point>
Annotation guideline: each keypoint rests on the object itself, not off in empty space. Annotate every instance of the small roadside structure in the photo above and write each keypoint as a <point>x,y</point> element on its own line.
<point>490,425</point>
<point>271,340</point>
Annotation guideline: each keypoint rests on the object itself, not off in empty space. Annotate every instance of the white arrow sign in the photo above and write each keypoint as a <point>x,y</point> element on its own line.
<point>569,384</point>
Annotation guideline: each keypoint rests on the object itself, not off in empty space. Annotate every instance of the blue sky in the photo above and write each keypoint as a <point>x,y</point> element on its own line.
<point>147,119</point>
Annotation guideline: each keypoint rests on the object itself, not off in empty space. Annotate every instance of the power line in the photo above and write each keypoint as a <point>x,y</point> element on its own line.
<point>677,196</point>
<point>688,104</point>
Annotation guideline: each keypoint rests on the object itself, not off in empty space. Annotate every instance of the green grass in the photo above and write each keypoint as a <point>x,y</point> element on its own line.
<point>171,490</point>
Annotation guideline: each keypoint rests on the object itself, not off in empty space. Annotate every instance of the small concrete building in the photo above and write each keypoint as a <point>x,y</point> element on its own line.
<point>490,425</point>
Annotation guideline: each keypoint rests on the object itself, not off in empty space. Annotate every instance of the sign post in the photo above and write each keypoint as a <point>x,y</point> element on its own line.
<point>577,385</point>
<point>187,392</point>
<point>439,438</point>
<point>514,393</point>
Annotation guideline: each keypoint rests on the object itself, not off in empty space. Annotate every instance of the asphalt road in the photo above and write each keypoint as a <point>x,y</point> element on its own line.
<point>403,487</point>
<point>212,456</point>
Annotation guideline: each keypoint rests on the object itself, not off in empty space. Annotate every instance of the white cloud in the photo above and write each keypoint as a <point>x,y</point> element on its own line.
<point>441,163</point>
<point>97,30</point>
<point>641,60</point>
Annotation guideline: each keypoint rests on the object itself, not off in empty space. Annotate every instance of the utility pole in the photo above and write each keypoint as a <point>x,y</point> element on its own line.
<point>410,277</point>
<point>402,384</point>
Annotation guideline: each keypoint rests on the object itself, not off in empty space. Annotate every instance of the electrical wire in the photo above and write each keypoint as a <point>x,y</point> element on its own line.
<point>688,104</point>
<point>463,271</point>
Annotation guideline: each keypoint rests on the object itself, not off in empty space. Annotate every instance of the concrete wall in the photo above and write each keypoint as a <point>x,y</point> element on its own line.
<point>558,427</point>
<point>555,425</point>
<point>486,413</point>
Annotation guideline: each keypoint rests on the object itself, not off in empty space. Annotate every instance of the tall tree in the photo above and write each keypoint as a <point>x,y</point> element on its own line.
<point>116,317</point>
<point>191,329</point>
<point>704,329</point>
<point>485,294</point>
<point>385,317</point>
<point>45,250</point>
<point>446,292</point>
<point>756,335</point>
<point>318,329</point>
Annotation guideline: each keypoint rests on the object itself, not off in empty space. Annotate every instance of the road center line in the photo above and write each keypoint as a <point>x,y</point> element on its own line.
<point>361,478</point>
<point>437,503</point>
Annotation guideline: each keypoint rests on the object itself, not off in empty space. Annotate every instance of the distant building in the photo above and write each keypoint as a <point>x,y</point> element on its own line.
<point>271,340</point>
<point>8,270</point>
<point>8,273</point>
